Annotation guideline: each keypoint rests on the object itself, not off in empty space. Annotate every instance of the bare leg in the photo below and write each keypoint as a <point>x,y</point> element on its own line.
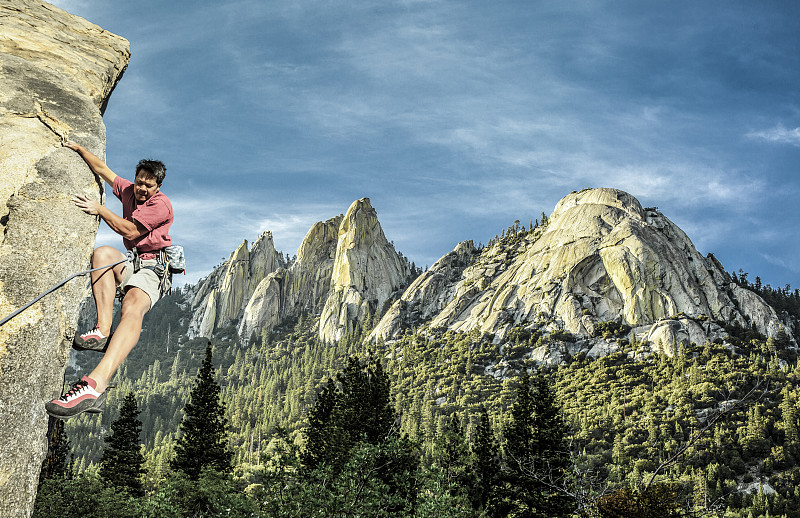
<point>104,284</point>
<point>134,306</point>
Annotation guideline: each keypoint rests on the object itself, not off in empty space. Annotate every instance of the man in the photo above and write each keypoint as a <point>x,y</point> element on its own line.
<point>144,226</point>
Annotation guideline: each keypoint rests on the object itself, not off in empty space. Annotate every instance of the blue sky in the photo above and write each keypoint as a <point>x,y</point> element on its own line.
<point>458,117</point>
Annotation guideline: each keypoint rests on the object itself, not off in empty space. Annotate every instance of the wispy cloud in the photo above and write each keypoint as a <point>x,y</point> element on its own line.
<point>778,135</point>
<point>782,261</point>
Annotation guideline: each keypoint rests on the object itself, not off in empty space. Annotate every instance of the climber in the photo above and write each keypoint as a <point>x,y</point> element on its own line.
<point>140,281</point>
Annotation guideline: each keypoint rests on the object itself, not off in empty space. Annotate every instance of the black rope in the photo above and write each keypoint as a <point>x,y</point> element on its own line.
<point>54,288</point>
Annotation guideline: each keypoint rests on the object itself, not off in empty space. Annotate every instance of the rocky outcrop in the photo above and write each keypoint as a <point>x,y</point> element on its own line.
<point>345,269</point>
<point>366,272</point>
<point>220,299</point>
<point>56,74</point>
<point>600,257</point>
<point>427,296</point>
<point>303,288</point>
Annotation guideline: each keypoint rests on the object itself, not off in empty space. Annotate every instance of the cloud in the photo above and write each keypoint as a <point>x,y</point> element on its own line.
<point>778,135</point>
<point>784,262</point>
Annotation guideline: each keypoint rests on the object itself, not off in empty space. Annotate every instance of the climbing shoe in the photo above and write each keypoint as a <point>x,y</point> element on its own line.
<point>82,397</point>
<point>91,341</point>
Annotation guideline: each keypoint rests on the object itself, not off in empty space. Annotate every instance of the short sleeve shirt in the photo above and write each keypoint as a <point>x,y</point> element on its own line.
<point>155,215</point>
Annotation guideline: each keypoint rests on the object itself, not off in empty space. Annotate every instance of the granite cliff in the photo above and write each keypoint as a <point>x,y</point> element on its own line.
<point>57,72</point>
<point>600,257</point>
<point>345,268</point>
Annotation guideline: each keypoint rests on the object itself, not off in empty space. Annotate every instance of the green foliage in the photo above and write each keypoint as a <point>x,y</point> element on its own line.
<point>122,462</point>
<point>611,329</point>
<point>656,501</point>
<point>203,440</point>
<point>358,409</point>
<point>85,496</point>
<point>351,442</point>
<point>561,335</point>
<point>211,494</point>
<point>536,454</point>
<point>626,416</point>
<point>485,464</point>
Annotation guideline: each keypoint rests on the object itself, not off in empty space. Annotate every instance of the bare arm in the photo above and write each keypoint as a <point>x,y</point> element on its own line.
<point>97,166</point>
<point>123,227</point>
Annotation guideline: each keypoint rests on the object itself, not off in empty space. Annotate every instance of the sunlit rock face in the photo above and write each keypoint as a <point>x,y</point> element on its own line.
<point>220,299</point>
<point>344,269</point>
<point>366,272</point>
<point>302,288</point>
<point>600,257</point>
<point>57,72</point>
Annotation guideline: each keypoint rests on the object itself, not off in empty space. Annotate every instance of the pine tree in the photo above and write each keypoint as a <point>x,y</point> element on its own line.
<point>486,463</point>
<point>323,440</point>
<point>122,462</point>
<point>350,418</point>
<point>204,435</point>
<point>536,452</point>
<point>359,408</point>
<point>452,456</point>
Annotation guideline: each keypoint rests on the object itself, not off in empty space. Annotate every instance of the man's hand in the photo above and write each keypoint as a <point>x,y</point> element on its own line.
<point>86,205</point>
<point>72,145</point>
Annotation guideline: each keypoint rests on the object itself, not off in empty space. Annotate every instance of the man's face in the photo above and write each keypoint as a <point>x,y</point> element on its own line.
<point>145,186</point>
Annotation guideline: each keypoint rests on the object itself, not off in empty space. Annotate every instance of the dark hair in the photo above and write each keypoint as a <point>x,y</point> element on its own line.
<point>154,167</point>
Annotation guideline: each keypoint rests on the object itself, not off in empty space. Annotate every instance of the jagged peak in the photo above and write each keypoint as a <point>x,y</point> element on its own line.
<point>361,204</point>
<point>359,214</point>
<point>320,233</point>
<point>265,237</point>
<point>242,253</point>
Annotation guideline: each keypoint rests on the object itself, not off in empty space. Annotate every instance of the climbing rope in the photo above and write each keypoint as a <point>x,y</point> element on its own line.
<point>54,288</point>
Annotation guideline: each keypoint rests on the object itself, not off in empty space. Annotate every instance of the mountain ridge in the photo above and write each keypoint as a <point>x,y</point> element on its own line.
<point>599,258</point>
<point>344,270</point>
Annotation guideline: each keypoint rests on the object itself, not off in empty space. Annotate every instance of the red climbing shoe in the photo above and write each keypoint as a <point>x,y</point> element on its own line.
<point>82,397</point>
<point>91,341</point>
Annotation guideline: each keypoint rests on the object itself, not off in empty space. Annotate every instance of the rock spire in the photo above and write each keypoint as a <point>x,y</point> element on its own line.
<point>345,269</point>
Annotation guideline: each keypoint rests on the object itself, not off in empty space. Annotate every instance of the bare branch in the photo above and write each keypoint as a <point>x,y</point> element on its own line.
<point>710,425</point>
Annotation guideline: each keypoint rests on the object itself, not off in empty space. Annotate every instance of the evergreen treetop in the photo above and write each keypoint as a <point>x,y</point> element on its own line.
<point>122,462</point>
<point>204,436</point>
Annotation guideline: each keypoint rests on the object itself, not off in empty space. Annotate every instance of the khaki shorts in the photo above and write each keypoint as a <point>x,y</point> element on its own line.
<point>145,279</point>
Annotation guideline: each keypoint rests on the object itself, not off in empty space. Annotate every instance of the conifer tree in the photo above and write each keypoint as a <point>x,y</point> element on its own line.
<point>204,435</point>
<point>323,441</point>
<point>359,408</point>
<point>486,463</point>
<point>452,456</point>
<point>536,452</point>
<point>350,418</point>
<point>122,462</point>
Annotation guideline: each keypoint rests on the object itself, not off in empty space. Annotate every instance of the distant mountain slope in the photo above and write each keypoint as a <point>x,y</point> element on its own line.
<point>600,257</point>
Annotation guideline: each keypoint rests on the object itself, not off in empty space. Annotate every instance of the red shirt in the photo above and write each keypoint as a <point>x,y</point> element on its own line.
<point>155,215</point>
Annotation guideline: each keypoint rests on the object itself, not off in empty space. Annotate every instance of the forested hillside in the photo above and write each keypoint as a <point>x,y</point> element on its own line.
<point>721,421</point>
<point>676,398</point>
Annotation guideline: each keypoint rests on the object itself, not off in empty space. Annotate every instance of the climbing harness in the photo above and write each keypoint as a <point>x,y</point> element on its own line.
<point>169,260</point>
<point>54,288</point>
